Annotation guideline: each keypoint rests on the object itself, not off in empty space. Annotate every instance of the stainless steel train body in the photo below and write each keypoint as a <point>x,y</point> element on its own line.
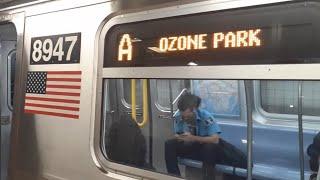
<point>267,110</point>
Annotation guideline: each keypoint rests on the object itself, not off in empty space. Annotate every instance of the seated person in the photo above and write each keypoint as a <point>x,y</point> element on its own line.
<point>196,136</point>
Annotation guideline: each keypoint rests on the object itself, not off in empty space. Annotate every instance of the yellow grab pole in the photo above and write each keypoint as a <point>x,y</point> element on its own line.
<point>145,105</point>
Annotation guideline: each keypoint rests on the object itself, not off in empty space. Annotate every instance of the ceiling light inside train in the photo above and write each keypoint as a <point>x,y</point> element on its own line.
<point>192,64</point>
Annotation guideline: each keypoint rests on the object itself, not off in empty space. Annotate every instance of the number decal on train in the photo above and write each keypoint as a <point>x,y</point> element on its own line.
<point>57,49</point>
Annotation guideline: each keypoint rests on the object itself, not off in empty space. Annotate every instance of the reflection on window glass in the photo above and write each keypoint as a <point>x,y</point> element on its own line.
<point>163,92</point>
<point>269,149</point>
<point>311,98</point>
<point>220,97</point>
<point>311,135</point>
<point>127,91</point>
<point>281,97</point>
<point>192,138</point>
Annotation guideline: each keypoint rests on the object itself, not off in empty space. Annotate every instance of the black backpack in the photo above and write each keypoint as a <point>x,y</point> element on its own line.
<point>126,143</point>
<point>232,155</point>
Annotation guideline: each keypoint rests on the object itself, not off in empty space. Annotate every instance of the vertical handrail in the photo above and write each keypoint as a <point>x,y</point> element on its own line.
<point>249,129</point>
<point>145,105</point>
<point>301,151</point>
<point>145,108</point>
<point>171,99</point>
<point>133,100</point>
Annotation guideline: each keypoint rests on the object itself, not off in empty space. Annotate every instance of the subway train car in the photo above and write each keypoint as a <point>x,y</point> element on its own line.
<point>89,89</point>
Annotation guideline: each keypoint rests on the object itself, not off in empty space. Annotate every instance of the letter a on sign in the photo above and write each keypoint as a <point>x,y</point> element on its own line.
<point>125,48</point>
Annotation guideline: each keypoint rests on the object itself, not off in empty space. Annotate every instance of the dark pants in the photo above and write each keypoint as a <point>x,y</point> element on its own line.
<point>209,154</point>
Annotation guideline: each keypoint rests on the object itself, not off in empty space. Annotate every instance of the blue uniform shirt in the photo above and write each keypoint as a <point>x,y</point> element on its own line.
<point>205,124</point>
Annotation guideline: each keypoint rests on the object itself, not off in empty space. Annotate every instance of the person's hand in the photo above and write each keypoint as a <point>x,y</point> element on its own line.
<point>187,137</point>
<point>178,135</point>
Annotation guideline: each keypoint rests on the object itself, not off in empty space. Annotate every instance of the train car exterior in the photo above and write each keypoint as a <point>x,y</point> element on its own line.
<point>72,70</point>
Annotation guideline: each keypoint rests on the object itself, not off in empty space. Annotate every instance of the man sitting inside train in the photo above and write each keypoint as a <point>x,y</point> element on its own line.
<point>196,136</point>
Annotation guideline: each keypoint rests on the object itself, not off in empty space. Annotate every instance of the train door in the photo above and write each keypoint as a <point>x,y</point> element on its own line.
<point>8,40</point>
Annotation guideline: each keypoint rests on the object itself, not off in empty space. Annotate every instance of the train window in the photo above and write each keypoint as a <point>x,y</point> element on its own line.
<point>281,97</point>
<point>140,137</point>
<point>220,97</point>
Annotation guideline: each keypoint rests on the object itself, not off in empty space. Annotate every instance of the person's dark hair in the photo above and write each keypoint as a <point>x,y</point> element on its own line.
<point>188,101</point>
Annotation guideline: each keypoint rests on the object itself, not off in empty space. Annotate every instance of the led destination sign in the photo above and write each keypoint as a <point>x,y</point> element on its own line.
<point>243,36</point>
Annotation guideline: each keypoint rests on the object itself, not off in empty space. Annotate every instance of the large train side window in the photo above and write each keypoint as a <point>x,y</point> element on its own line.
<point>139,136</point>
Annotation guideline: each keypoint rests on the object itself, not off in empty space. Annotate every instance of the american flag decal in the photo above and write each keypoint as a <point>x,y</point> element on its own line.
<point>53,93</point>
